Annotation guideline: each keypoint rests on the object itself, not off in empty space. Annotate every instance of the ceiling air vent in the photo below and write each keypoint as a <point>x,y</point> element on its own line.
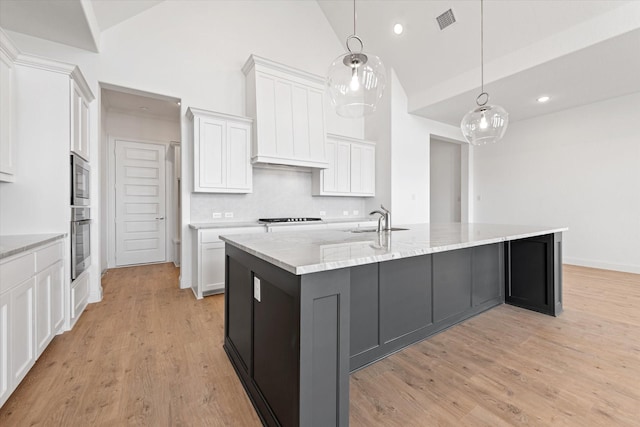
<point>446,19</point>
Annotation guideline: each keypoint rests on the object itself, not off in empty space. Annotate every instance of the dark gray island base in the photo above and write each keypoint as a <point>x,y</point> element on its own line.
<point>293,339</point>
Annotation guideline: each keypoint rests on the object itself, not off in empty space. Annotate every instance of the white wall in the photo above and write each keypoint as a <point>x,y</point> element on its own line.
<point>194,51</point>
<point>276,193</point>
<point>578,168</point>
<point>445,194</point>
<point>38,201</point>
<point>402,151</point>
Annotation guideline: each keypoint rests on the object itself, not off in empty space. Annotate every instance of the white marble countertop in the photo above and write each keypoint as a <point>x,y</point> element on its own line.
<point>224,224</point>
<point>15,244</point>
<point>304,252</point>
<point>228,224</point>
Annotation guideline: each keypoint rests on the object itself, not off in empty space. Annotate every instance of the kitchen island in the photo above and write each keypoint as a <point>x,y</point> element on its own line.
<point>303,310</point>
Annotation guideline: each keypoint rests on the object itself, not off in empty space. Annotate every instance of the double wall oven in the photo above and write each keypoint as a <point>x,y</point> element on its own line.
<point>80,216</point>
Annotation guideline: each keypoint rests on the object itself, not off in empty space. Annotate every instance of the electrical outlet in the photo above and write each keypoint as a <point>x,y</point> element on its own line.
<point>256,288</point>
<point>323,213</point>
<point>217,215</point>
<point>228,214</point>
<point>345,213</point>
<point>356,213</point>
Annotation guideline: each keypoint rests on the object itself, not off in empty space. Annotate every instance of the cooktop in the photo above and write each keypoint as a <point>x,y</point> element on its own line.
<point>270,220</point>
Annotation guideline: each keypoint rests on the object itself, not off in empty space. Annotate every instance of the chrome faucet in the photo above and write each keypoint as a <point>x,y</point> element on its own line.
<point>384,215</point>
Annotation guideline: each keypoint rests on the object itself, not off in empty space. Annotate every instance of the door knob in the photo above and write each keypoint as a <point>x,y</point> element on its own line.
<point>160,217</point>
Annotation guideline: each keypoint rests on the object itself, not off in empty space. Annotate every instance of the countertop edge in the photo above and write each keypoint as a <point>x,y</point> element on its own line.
<point>319,267</point>
<point>42,239</point>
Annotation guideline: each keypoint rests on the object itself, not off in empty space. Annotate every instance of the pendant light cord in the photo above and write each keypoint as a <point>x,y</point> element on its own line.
<point>481,46</point>
<point>354,18</point>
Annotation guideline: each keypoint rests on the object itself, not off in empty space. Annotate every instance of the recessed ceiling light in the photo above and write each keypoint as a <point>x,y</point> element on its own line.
<point>398,29</point>
<point>543,99</point>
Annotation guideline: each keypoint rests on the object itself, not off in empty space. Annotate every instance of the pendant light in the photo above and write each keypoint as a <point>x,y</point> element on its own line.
<point>355,80</point>
<point>485,123</point>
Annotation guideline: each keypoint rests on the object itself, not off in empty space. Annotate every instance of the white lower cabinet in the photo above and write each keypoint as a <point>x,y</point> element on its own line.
<point>79,296</point>
<point>212,267</point>
<point>351,171</point>
<point>31,310</point>
<point>210,264</point>
<point>21,330</point>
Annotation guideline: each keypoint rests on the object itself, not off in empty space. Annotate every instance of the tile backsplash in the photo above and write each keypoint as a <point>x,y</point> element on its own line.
<point>276,193</point>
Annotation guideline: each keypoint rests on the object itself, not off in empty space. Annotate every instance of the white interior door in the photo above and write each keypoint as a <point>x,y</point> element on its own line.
<point>140,203</point>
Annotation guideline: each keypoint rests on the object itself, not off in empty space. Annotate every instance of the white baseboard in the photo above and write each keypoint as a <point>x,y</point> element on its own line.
<point>603,265</point>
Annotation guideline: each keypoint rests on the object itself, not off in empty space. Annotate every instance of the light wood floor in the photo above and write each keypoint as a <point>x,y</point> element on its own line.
<point>150,354</point>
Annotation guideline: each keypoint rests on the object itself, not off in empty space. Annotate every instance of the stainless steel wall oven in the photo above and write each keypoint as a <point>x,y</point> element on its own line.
<point>80,241</point>
<point>80,181</point>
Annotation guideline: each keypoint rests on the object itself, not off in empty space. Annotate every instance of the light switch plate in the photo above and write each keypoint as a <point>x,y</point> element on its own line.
<point>256,288</point>
<point>323,213</point>
<point>356,213</point>
<point>345,213</point>
<point>228,214</point>
<point>217,215</point>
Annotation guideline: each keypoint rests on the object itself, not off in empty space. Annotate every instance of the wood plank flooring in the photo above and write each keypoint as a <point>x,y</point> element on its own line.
<point>151,355</point>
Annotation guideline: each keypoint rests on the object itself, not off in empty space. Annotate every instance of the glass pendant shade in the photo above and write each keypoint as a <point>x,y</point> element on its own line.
<point>355,83</point>
<point>484,124</point>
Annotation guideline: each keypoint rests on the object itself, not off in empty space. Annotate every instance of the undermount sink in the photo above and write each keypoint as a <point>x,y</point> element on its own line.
<point>373,230</point>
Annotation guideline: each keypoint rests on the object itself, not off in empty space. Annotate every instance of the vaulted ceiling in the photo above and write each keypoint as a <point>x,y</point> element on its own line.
<point>576,52</point>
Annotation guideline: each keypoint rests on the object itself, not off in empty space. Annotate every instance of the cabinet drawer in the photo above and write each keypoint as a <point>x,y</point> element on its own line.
<point>48,256</point>
<point>16,271</point>
<point>213,235</point>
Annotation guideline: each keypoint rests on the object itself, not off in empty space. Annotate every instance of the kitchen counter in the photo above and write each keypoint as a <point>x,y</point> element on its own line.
<point>203,225</point>
<point>323,250</point>
<point>305,309</point>
<point>224,224</point>
<point>15,244</point>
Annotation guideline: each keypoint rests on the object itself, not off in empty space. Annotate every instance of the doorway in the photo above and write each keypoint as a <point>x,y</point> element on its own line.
<point>445,181</point>
<point>139,135</point>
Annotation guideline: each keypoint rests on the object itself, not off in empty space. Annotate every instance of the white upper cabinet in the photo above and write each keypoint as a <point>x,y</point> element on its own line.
<point>221,152</point>
<point>79,119</point>
<point>351,171</point>
<point>8,54</point>
<point>287,106</point>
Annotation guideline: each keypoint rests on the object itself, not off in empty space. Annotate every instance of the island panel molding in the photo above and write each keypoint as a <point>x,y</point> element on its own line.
<point>294,338</point>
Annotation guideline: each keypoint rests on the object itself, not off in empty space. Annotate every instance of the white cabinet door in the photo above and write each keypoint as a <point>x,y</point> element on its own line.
<point>6,113</point>
<point>212,153</point>
<point>6,386</point>
<point>21,322</point>
<point>343,167</point>
<point>212,267</point>
<point>351,171</point>
<point>79,122</point>
<point>221,152</point>
<point>79,296</point>
<point>84,129</point>
<point>363,169</point>
<point>239,170</point>
<point>329,175</point>
<point>57,296</point>
<point>43,305</point>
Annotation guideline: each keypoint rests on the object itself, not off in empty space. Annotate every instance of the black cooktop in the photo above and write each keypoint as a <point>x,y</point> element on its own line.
<point>269,220</point>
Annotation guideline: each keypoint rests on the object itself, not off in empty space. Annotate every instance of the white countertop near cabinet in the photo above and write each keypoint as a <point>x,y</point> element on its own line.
<point>332,221</point>
<point>14,244</point>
